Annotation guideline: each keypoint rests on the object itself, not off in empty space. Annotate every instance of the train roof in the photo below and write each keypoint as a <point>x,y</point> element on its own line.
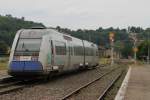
<point>39,32</point>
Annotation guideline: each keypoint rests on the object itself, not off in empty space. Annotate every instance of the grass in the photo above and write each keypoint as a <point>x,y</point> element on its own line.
<point>104,61</point>
<point>3,63</point>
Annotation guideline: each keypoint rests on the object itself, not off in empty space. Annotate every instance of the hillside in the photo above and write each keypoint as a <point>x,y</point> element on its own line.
<point>9,25</point>
<point>123,43</point>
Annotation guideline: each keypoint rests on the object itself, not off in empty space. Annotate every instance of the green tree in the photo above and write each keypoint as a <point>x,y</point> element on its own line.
<point>3,47</point>
<point>143,49</point>
<point>9,26</point>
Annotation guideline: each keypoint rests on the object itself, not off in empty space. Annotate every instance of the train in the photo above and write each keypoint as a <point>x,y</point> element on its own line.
<point>42,51</point>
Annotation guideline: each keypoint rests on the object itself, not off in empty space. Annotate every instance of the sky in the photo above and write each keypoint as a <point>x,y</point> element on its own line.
<point>83,14</point>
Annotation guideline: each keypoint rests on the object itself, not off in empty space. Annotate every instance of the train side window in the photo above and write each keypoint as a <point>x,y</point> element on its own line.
<point>97,54</point>
<point>75,50</point>
<point>92,52</point>
<point>60,48</point>
<point>86,51</point>
<point>78,50</point>
<point>70,50</point>
<point>81,50</point>
<point>89,51</point>
<point>70,47</point>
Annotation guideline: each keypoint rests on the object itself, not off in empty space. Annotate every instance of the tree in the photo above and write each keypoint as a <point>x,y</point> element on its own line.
<point>9,26</point>
<point>3,47</point>
<point>143,49</point>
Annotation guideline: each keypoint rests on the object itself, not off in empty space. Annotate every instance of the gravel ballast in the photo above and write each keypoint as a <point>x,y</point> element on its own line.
<point>58,86</point>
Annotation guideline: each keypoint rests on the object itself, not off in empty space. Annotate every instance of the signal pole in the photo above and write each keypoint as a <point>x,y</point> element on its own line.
<point>148,50</point>
<point>111,38</point>
<point>135,49</point>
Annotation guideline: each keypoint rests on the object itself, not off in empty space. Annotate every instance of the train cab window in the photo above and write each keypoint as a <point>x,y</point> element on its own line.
<point>60,48</point>
<point>28,45</point>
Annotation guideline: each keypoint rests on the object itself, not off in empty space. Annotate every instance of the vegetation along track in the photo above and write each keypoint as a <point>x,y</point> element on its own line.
<point>105,81</point>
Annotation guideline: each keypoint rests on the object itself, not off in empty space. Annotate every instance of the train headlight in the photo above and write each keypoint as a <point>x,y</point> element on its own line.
<point>55,67</point>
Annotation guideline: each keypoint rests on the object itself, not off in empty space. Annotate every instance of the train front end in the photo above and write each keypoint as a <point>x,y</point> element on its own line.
<point>24,57</point>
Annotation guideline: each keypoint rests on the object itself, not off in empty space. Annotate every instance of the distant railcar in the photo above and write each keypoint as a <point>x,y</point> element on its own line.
<point>44,51</point>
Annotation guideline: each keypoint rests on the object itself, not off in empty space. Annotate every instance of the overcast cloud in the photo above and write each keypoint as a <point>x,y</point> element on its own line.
<point>85,14</point>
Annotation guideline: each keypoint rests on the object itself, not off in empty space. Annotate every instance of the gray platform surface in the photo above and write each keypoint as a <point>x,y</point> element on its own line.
<point>139,83</point>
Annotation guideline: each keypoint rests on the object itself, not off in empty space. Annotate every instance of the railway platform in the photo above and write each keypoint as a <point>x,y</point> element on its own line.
<point>136,85</point>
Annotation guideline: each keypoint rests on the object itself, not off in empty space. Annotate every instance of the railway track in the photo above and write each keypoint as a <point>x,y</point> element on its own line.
<point>108,87</point>
<point>5,78</point>
<point>11,88</point>
<point>10,84</point>
<point>78,90</point>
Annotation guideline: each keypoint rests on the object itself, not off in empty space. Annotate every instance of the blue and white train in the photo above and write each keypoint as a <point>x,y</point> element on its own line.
<point>44,51</point>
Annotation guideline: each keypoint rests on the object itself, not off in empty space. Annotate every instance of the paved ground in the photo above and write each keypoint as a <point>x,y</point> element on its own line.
<point>139,83</point>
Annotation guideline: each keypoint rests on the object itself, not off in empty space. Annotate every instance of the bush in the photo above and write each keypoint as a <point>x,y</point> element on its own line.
<point>143,50</point>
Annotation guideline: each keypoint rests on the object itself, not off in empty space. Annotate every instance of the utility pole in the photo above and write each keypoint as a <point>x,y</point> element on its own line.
<point>111,38</point>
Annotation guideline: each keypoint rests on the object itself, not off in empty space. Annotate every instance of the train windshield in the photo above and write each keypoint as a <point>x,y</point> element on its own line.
<point>28,45</point>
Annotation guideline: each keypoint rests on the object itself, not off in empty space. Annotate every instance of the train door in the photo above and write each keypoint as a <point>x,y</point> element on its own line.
<point>60,59</point>
<point>51,53</point>
<point>93,56</point>
<point>70,55</point>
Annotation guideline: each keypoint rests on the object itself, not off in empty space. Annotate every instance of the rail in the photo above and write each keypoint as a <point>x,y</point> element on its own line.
<point>109,86</point>
<point>86,85</point>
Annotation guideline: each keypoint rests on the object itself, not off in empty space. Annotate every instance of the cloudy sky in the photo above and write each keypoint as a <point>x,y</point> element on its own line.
<point>85,14</point>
